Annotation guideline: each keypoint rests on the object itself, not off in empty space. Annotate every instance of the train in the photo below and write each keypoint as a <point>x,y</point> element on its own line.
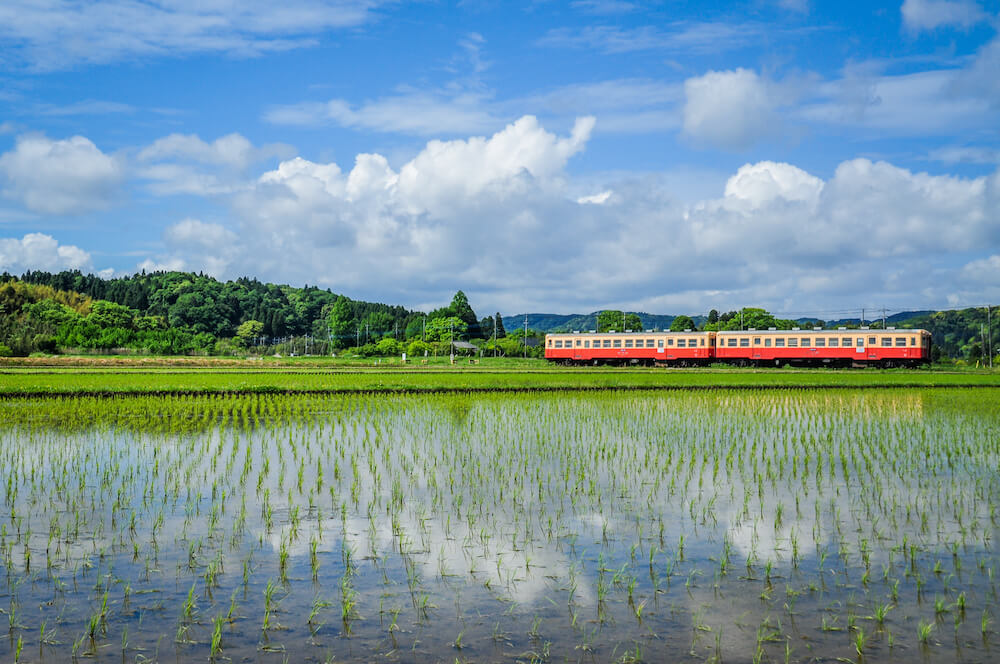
<point>843,347</point>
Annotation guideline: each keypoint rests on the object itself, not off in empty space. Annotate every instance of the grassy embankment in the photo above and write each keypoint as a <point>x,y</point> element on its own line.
<point>164,375</point>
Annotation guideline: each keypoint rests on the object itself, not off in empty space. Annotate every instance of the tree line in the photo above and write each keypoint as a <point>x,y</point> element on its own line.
<point>173,313</point>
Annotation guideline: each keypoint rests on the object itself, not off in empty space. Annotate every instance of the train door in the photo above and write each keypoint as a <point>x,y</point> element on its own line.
<point>859,345</point>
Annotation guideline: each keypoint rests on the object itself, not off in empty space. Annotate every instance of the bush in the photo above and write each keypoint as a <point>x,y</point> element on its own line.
<point>5,351</point>
<point>418,348</point>
<point>45,343</point>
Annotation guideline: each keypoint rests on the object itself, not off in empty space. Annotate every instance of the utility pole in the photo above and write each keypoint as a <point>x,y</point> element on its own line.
<point>862,317</point>
<point>883,318</point>
<point>494,337</point>
<point>741,319</point>
<point>524,339</point>
<point>989,334</point>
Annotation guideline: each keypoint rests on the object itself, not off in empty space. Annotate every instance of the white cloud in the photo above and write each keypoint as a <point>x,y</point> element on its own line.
<point>37,251</point>
<point>500,217</point>
<point>729,109</point>
<point>921,15</point>
<point>184,163</point>
<point>54,34</point>
<point>767,181</point>
<point>965,154</point>
<point>411,112</point>
<point>683,36</point>
<point>68,176</point>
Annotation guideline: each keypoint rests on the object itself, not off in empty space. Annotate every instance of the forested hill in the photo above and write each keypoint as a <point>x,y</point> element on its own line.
<point>202,304</point>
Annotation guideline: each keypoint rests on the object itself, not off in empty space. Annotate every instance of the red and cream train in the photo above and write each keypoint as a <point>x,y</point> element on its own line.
<point>815,347</point>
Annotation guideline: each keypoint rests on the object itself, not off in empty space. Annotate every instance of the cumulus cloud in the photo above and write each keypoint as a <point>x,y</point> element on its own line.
<point>56,34</point>
<point>921,15</point>
<point>68,176</point>
<point>193,244</point>
<point>729,109</point>
<point>500,217</point>
<point>37,251</point>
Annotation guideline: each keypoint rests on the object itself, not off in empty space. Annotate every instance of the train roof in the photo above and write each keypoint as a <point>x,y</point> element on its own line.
<point>577,333</point>
<point>839,330</point>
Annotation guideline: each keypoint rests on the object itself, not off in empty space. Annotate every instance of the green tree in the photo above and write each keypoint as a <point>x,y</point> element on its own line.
<point>443,329</point>
<point>713,317</point>
<point>461,308</point>
<point>682,323</point>
<point>501,333</point>
<point>108,315</point>
<point>247,330</point>
<point>388,346</point>
<point>611,319</point>
<point>343,325</point>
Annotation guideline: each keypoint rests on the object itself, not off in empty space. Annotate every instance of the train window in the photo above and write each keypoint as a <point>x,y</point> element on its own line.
<point>744,342</point>
<point>703,342</point>
<point>886,342</point>
<point>549,342</point>
<point>586,344</point>
<point>618,343</point>
<point>805,342</point>
<point>731,342</point>
<point>779,343</point>
<point>578,343</point>
<point>793,343</point>
<point>650,343</point>
<point>848,342</point>
<point>820,342</point>
<point>756,341</point>
<point>871,341</point>
<point>833,342</point>
<point>913,341</point>
<point>607,343</point>
<point>629,343</point>
<point>670,342</point>
<point>767,342</point>
<point>861,342</point>
<point>659,343</point>
<point>900,341</point>
<point>559,344</point>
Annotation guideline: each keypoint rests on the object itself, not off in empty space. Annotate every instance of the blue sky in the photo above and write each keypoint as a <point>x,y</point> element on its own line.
<point>671,157</point>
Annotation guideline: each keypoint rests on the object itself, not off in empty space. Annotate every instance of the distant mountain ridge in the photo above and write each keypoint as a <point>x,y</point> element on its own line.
<point>586,322</point>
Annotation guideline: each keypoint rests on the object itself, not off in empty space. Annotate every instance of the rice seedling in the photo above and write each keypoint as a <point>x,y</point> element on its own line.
<point>505,507</point>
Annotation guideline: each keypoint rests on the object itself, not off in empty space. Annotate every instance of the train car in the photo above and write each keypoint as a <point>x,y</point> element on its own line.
<point>643,348</point>
<point>818,347</point>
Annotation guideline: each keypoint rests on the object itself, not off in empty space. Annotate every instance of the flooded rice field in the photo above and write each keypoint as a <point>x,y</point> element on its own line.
<point>740,526</point>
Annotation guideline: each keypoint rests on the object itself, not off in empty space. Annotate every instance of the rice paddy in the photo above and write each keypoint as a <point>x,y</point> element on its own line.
<point>726,526</point>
